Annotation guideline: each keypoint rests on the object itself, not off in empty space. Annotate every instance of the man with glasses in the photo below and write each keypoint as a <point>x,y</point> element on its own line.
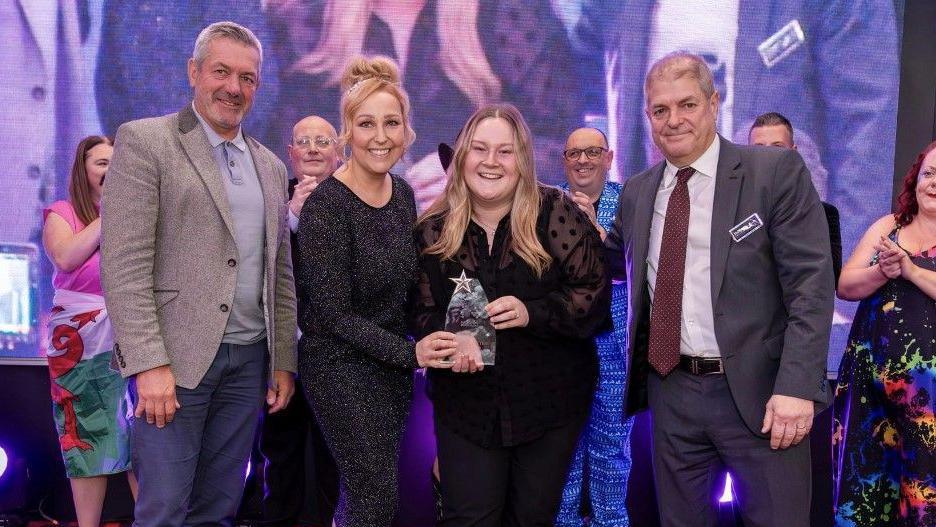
<point>300,479</point>
<point>602,460</point>
<point>313,154</point>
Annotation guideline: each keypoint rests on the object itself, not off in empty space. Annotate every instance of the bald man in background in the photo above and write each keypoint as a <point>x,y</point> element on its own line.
<point>597,483</point>
<point>301,483</point>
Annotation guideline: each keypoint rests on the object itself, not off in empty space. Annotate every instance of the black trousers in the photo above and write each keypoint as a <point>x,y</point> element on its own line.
<point>511,486</point>
<point>697,434</point>
<point>300,478</point>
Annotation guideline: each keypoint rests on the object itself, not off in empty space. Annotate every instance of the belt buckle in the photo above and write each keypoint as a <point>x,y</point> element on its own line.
<point>720,370</point>
<point>694,366</point>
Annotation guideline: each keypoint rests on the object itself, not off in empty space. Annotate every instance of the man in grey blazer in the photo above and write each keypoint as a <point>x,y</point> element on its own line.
<point>197,275</point>
<point>726,250</point>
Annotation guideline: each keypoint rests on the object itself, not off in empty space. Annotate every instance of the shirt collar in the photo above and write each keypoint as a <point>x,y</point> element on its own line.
<point>706,165</point>
<point>214,139</point>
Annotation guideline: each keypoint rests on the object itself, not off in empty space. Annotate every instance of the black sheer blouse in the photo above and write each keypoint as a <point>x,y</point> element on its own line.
<point>545,373</point>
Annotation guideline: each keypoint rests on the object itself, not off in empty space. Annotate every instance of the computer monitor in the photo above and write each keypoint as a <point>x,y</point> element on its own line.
<point>19,305</point>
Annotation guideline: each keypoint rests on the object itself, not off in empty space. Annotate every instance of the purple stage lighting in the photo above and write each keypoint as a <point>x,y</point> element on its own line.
<point>4,461</point>
<point>727,495</point>
<point>247,472</point>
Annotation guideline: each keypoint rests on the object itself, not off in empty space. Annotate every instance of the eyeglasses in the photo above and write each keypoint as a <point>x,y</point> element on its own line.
<point>320,141</point>
<point>591,152</point>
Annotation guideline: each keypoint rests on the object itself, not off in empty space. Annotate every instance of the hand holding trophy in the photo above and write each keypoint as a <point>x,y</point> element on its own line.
<point>468,319</point>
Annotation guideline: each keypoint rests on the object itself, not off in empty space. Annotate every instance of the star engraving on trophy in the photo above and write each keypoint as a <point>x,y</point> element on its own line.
<point>462,283</point>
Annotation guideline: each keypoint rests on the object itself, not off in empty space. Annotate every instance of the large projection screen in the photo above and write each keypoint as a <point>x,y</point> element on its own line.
<point>74,68</point>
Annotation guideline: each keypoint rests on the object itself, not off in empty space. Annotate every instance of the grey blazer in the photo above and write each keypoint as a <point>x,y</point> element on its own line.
<point>772,291</point>
<point>168,255</point>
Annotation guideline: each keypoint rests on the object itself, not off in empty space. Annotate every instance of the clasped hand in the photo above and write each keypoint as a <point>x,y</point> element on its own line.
<point>461,352</point>
<point>442,349</point>
<point>892,259</point>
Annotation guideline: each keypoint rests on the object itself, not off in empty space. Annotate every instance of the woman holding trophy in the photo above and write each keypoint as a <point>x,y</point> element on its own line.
<point>516,271</point>
<point>357,263</point>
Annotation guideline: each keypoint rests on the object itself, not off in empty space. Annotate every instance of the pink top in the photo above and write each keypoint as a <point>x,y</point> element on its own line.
<point>87,277</point>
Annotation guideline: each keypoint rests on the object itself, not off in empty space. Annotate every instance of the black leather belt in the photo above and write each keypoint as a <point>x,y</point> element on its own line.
<point>701,365</point>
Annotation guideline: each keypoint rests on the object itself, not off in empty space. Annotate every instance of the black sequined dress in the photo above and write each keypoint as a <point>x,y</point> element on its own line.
<point>356,264</point>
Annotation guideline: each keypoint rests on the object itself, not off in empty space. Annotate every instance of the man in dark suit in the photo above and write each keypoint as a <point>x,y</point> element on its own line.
<point>774,129</point>
<point>730,246</point>
<point>300,478</point>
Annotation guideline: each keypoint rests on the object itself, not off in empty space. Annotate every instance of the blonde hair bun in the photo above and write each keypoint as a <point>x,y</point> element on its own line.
<point>363,68</point>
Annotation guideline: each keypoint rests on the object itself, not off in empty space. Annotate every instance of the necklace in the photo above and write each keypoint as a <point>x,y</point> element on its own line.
<point>486,226</point>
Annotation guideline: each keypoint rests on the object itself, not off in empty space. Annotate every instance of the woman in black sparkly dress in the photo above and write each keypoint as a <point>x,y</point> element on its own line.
<point>357,262</point>
<point>506,433</point>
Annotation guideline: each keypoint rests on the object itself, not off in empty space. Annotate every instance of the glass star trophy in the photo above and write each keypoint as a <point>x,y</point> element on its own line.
<point>466,316</point>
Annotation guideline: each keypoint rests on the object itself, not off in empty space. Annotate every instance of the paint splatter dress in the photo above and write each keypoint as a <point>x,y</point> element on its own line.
<point>884,432</point>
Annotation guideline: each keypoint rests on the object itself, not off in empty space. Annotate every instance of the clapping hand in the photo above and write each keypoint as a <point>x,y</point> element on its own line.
<point>891,258</point>
<point>585,204</point>
<point>305,187</point>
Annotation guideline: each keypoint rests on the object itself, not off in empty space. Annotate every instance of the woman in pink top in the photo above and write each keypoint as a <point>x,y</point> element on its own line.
<point>89,407</point>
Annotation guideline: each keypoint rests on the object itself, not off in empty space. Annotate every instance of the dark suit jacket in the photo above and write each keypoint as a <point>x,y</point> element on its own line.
<point>772,291</point>
<point>835,238</point>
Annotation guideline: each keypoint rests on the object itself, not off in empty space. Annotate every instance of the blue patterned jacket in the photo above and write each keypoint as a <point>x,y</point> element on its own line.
<point>604,213</point>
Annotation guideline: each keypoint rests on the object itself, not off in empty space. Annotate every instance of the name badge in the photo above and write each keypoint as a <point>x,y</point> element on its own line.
<point>782,43</point>
<point>746,227</point>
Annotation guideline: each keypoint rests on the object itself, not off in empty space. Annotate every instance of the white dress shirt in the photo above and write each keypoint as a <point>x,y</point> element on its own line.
<point>697,337</point>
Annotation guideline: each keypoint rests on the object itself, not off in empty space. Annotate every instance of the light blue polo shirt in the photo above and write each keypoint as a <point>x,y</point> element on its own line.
<point>245,323</point>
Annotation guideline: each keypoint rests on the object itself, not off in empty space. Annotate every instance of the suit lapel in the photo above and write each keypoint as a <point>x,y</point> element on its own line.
<point>728,182</point>
<point>643,217</point>
<point>198,149</point>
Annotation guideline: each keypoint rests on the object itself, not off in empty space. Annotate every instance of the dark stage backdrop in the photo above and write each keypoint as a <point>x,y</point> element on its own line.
<point>77,67</point>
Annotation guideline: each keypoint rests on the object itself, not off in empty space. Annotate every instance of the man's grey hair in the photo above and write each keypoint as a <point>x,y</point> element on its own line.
<point>680,64</point>
<point>226,29</point>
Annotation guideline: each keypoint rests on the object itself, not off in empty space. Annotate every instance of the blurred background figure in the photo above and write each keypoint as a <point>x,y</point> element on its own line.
<point>90,405</point>
<point>828,66</point>
<point>47,63</point>
<point>461,55</point>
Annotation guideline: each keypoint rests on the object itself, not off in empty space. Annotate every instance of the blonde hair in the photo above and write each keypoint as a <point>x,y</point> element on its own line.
<point>461,54</point>
<point>79,188</point>
<point>364,77</point>
<point>454,204</point>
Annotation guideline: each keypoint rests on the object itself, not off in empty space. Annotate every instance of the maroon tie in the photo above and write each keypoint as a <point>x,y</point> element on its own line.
<point>666,313</point>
